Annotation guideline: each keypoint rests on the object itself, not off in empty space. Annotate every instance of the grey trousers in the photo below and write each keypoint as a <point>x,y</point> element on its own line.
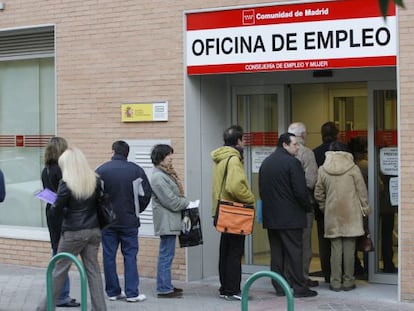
<point>84,243</point>
<point>307,244</point>
<point>342,248</point>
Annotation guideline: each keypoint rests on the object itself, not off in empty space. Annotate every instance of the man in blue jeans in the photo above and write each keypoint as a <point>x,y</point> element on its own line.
<point>130,192</point>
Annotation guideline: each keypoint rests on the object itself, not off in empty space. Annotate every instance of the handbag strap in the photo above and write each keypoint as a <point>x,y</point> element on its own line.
<point>224,177</point>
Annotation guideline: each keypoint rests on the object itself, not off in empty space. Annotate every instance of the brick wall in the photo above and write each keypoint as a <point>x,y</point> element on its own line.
<point>37,254</point>
<point>406,131</point>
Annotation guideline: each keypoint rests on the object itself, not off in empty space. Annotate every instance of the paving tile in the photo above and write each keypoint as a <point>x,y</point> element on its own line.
<point>21,288</point>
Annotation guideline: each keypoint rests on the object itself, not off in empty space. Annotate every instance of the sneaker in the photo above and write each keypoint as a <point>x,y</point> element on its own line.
<point>222,296</point>
<point>171,295</point>
<point>233,297</point>
<point>178,290</point>
<point>139,298</point>
<point>119,297</point>
<point>307,293</point>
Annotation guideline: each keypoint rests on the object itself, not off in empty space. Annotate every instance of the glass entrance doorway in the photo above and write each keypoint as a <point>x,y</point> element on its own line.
<point>365,113</point>
<point>257,110</point>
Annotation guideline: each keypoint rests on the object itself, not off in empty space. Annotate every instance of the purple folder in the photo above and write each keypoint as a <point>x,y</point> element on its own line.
<point>46,195</point>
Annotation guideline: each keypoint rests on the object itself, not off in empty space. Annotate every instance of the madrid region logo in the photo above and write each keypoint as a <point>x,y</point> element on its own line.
<point>248,17</point>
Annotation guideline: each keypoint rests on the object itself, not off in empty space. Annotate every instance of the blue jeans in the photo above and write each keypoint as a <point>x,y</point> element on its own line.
<point>165,259</point>
<point>128,238</point>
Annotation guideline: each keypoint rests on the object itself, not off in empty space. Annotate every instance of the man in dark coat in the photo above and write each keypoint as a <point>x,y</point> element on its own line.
<point>329,133</point>
<point>285,202</point>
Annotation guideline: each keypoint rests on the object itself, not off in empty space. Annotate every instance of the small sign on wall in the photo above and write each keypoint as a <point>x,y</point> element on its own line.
<point>144,112</point>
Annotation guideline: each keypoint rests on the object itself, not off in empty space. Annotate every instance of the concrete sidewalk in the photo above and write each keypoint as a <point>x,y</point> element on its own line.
<point>21,288</point>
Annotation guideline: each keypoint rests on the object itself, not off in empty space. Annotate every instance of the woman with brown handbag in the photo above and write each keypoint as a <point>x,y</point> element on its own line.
<point>343,198</point>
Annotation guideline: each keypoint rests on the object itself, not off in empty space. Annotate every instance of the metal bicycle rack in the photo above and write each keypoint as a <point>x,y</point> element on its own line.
<point>273,275</point>
<point>49,279</point>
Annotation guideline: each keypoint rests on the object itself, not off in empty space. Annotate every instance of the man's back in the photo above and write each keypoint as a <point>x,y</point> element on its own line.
<point>283,191</point>
<point>320,153</point>
<point>307,159</point>
<point>119,177</point>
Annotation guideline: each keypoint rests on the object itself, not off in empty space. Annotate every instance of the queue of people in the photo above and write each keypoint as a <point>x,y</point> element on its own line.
<point>293,191</point>
<point>74,228</point>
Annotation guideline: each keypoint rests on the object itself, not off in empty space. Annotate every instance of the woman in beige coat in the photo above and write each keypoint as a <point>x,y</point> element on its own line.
<point>342,196</point>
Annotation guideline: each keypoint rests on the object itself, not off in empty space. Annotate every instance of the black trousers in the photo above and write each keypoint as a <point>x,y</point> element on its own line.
<point>54,224</point>
<point>324,249</point>
<point>286,253</point>
<point>387,229</point>
<point>231,253</point>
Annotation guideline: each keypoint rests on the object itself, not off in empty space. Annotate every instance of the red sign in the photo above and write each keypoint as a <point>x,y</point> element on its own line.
<point>19,140</point>
<point>306,36</point>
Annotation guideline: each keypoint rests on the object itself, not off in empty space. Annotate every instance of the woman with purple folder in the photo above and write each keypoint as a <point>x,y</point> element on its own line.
<point>51,175</point>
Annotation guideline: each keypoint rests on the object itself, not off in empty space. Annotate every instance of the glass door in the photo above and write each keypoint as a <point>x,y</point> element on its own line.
<point>383,262</point>
<point>257,110</point>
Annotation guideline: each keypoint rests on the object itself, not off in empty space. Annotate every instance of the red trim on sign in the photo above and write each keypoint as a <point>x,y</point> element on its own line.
<point>313,64</point>
<point>283,14</point>
<point>7,141</point>
<point>261,139</point>
<point>24,140</point>
<point>387,138</point>
<point>36,140</point>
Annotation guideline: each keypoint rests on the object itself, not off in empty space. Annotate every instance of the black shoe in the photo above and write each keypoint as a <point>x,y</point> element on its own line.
<point>171,295</point>
<point>390,270</point>
<point>311,283</point>
<point>306,293</point>
<point>280,294</point>
<point>70,304</point>
<point>178,290</point>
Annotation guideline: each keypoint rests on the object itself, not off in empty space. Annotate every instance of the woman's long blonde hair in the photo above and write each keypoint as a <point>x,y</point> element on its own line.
<point>77,174</point>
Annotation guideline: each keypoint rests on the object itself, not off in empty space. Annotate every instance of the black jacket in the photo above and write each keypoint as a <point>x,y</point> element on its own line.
<point>320,158</point>
<point>283,191</point>
<point>51,175</point>
<point>77,214</point>
<point>320,153</point>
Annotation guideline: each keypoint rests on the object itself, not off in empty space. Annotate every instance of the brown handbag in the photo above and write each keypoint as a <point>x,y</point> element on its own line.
<point>233,217</point>
<point>364,242</point>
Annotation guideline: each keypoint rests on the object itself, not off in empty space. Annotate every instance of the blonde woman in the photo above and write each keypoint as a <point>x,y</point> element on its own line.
<point>77,197</point>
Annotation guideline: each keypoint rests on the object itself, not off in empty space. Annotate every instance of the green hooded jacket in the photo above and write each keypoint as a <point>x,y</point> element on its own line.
<point>236,187</point>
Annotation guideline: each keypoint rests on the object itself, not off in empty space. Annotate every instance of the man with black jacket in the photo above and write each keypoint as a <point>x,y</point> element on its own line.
<point>285,200</point>
<point>329,133</point>
<point>130,192</point>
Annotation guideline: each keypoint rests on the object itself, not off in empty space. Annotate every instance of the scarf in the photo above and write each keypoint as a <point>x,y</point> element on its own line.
<point>173,174</point>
